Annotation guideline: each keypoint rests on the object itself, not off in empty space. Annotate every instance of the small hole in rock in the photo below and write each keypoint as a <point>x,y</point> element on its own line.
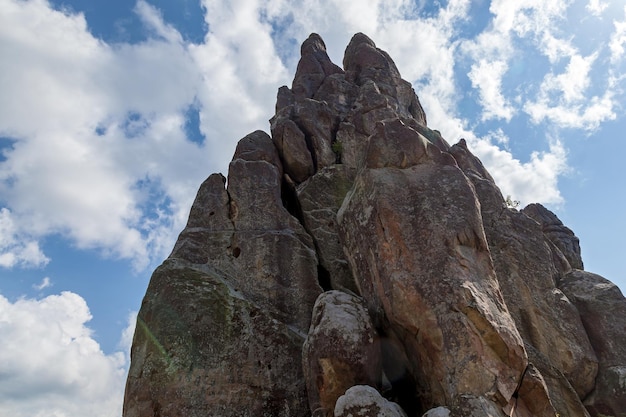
<point>212,213</point>
<point>236,252</point>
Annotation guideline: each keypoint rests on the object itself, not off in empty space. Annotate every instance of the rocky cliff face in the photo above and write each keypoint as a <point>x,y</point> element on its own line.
<point>357,264</point>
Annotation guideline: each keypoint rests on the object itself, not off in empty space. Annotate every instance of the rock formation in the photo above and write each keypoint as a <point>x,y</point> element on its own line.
<point>357,264</point>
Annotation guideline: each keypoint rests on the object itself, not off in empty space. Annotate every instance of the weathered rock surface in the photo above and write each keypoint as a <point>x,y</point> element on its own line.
<point>341,350</point>
<point>602,309</point>
<point>202,349</point>
<point>320,198</point>
<point>430,276</point>
<point>356,264</point>
<point>224,319</point>
<point>365,64</point>
<point>528,272</point>
<point>365,401</point>
<point>560,235</point>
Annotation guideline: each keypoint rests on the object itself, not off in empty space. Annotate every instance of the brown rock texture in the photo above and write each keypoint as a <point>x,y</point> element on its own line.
<point>201,349</point>
<point>341,350</point>
<point>354,263</point>
<point>602,309</point>
<point>431,277</point>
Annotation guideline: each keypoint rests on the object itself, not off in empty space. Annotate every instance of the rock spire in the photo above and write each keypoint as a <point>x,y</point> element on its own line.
<point>357,264</point>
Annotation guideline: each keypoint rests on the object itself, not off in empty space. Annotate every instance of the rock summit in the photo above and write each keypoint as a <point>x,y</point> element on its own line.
<point>357,264</point>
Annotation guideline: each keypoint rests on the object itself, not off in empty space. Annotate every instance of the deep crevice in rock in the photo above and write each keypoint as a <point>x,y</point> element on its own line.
<point>403,393</point>
<point>232,209</point>
<point>402,386</point>
<point>290,200</point>
<point>323,276</point>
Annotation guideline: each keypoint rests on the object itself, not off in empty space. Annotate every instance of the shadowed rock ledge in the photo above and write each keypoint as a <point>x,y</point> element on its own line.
<point>357,264</point>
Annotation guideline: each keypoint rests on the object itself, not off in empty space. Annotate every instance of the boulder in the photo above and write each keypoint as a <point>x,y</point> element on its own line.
<point>340,351</point>
<point>319,125</point>
<point>365,401</point>
<point>395,144</point>
<point>476,406</point>
<point>286,281</point>
<point>437,412</point>
<point>351,145</point>
<point>292,147</point>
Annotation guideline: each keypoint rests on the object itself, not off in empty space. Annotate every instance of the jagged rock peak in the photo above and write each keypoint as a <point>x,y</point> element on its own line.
<point>314,66</point>
<point>363,55</point>
<point>328,114</point>
<point>559,234</point>
<point>314,44</point>
<point>355,263</point>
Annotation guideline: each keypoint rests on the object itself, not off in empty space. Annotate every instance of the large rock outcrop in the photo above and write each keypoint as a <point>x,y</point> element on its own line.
<point>357,264</point>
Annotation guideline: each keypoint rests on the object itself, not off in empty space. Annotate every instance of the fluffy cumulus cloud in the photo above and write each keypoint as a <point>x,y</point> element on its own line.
<point>16,249</point>
<point>618,40</point>
<point>94,137</point>
<point>51,365</point>
<point>487,78</point>
<point>526,182</point>
<point>562,98</point>
<point>596,7</point>
<point>81,115</point>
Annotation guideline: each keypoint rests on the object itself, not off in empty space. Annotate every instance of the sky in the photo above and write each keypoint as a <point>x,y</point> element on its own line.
<point>112,113</point>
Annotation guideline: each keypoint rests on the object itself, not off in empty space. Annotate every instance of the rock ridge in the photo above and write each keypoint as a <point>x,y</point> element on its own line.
<point>355,263</point>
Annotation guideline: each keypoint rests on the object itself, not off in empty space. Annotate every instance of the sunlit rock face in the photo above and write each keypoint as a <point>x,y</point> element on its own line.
<point>355,263</point>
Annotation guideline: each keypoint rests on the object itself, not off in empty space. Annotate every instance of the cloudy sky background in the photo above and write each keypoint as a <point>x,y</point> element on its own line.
<point>113,112</point>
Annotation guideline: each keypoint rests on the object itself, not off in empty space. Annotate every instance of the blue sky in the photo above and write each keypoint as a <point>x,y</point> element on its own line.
<point>113,112</point>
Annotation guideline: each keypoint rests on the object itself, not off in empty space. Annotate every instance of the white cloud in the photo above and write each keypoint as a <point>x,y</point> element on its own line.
<point>153,19</point>
<point>573,82</point>
<point>533,181</point>
<point>589,117</point>
<point>126,341</point>
<point>96,127</point>
<point>562,99</point>
<point>17,249</point>
<point>596,7</point>
<point>618,40</point>
<point>51,365</point>
<point>241,72</point>
<point>45,283</point>
<point>556,48</point>
<point>531,17</point>
<point>487,78</point>
<point>498,136</point>
<point>493,49</point>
